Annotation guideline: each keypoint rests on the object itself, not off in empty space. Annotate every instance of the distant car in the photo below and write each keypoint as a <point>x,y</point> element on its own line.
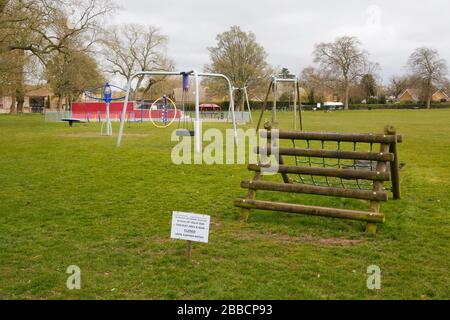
<point>331,106</point>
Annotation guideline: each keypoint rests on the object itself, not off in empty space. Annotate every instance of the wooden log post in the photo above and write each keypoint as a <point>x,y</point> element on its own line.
<point>378,185</point>
<point>311,210</point>
<point>338,136</point>
<point>251,195</point>
<point>329,172</point>
<point>280,159</point>
<point>264,107</point>
<point>395,166</point>
<point>317,190</point>
<point>188,249</point>
<point>334,154</point>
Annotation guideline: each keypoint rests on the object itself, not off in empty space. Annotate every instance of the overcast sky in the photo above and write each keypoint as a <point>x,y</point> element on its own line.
<point>388,29</point>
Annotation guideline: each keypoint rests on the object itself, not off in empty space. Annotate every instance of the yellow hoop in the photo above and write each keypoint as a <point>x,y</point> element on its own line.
<point>174,117</point>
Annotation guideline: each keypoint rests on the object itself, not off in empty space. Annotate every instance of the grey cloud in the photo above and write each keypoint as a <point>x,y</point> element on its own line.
<point>289,29</point>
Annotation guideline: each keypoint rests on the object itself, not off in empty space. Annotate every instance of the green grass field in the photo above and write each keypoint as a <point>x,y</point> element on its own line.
<point>70,197</point>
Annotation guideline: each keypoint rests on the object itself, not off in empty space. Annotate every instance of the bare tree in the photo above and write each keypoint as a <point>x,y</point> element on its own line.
<point>345,60</point>
<point>318,83</point>
<point>46,28</point>
<point>238,56</point>
<point>397,85</point>
<point>432,70</point>
<point>131,48</point>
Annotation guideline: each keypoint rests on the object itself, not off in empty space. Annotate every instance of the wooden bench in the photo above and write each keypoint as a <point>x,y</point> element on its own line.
<point>353,173</point>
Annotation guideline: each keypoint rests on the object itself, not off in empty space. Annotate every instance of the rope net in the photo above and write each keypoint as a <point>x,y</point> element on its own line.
<point>334,163</point>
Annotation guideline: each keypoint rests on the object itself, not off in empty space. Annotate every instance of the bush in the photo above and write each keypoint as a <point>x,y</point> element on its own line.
<point>257,105</point>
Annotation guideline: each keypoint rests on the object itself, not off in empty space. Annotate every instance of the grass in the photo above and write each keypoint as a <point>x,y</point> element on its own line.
<point>69,196</point>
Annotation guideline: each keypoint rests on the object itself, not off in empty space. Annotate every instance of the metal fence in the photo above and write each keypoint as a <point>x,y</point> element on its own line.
<point>55,116</point>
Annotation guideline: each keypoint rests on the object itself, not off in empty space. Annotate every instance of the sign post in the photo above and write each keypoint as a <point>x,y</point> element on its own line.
<point>190,227</point>
<point>188,249</point>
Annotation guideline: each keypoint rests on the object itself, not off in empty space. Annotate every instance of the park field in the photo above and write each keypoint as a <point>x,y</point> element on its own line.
<point>70,197</point>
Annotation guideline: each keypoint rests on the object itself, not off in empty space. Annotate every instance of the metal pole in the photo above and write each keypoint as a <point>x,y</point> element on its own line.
<point>295,103</point>
<point>300,110</point>
<point>274,102</point>
<point>248,105</point>
<point>197,133</point>
<point>108,121</point>
<point>124,111</point>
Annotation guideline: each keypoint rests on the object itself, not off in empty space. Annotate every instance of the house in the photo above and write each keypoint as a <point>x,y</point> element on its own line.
<point>415,95</point>
<point>37,98</point>
<point>440,96</point>
<point>409,95</point>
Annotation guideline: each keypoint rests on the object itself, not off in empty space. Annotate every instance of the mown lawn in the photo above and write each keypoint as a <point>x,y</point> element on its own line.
<point>70,197</point>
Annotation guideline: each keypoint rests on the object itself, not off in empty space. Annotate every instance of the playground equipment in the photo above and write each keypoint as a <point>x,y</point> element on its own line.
<point>185,124</point>
<point>107,98</point>
<point>165,111</point>
<point>198,120</point>
<point>273,88</point>
<point>332,171</point>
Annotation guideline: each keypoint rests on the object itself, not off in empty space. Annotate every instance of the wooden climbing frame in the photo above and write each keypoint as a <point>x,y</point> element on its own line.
<point>352,173</point>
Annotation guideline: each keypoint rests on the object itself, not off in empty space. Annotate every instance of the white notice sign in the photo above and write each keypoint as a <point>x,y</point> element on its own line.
<point>190,226</point>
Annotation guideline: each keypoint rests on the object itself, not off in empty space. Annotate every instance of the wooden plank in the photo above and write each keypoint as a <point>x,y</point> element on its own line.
<point>336,136</point>
<point>251,195</point>
<point>378,185</point>
<point>329,172</point>
<point>310,210</point>
<point>280,159</point>
<point>395,166</point>
<point>318,190</point>
<point>331,154</point>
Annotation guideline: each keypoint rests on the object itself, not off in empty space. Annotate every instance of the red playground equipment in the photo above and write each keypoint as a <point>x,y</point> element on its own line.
<point>96,111</point>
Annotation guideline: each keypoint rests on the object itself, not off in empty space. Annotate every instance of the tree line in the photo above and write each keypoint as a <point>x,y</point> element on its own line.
<point>67,45</point>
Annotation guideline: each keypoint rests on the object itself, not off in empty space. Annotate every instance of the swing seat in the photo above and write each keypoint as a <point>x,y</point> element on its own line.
<point>184,133</point>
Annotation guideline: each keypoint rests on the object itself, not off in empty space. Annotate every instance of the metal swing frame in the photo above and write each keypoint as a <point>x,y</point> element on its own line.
<point>246,101</point>
<point>198,120</point>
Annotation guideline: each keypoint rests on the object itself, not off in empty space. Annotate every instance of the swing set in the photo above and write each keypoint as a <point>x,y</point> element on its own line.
<point>197,122</point>
<point>273,89</point>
